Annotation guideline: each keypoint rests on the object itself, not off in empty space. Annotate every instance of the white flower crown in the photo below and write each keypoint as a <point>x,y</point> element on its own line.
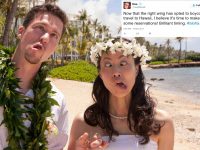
<point>127,48</point>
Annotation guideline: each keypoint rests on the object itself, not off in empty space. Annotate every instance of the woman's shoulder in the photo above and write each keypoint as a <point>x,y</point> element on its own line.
<point>165,138</point>
<point>81,126</point>
<point>167,127</point>
<point>79,121</point>
<point>162,115</point>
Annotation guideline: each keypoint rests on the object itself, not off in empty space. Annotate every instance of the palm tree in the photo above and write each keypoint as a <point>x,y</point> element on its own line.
<point>100,31</point>
<point>63,46</point>
<point>185,48</point>
<point>95,25</point>
<point>168,49</point>
<point>148,45</point>
<point>119,30</point>
<point>140,40</point>
<point>179,39</point>
<point>83,17</point>
<point>85,31</point>
<point>12,8</point>
<point>2,21</point>
<point>155,48</point>
<point>159,50</point>
<point>72,33</point>
<point>105,31</point>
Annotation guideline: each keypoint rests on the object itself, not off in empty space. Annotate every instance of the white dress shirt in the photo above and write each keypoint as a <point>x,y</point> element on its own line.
<point>60,117</point>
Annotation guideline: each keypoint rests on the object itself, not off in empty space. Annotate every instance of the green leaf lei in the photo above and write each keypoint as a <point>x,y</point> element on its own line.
<point>19,108</point>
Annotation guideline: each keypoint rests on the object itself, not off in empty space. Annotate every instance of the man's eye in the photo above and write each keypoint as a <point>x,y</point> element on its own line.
<point>54,35</point>
<point>123,63</point>
<point>40,28</point>
<point>108,65</point>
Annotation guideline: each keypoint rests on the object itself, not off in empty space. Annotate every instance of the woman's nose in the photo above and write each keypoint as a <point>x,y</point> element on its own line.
<point>116,75</point>
<point>116,72</point>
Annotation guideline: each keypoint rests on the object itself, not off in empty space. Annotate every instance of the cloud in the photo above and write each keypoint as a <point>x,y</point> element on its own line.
<point>96,9</point>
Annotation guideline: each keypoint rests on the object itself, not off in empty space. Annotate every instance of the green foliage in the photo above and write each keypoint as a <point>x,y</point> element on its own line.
<point>76,70</point>
<point>15,104</point>
<point>9,50</point>
<point>194,57</point>
<point>181,61</point>
<point>42,103</point>
<point>160,58</point>
<point>171,61</point>
<point>11,100</point>
<point>157,62</point>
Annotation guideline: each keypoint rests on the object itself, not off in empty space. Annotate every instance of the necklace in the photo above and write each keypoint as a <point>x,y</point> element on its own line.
<point>117,117</point>
<point>15,105</point>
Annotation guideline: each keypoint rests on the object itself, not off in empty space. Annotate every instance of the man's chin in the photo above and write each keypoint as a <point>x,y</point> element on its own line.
<point>33,61</point>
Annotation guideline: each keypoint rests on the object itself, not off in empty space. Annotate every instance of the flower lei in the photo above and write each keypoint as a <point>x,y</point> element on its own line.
<point>17,110</point>
<point>127,48</point>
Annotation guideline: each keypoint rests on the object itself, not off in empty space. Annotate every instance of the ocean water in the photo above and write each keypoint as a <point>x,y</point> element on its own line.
<point>185,81</point>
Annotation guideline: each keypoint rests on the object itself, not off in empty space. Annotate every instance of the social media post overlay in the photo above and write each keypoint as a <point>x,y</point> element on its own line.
<point>163,18</point>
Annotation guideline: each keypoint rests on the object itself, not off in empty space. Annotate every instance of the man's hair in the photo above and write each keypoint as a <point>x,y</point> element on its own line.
<point>48,8</point>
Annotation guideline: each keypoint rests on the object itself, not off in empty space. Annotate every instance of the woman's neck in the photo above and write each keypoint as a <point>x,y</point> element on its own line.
<point>119,106</point>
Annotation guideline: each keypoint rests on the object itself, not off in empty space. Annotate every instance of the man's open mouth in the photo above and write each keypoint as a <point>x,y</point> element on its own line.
<point>38,46</point>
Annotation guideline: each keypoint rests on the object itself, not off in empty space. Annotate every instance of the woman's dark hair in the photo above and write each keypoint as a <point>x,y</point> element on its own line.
<point>49,8</point>
<point>141,113</point>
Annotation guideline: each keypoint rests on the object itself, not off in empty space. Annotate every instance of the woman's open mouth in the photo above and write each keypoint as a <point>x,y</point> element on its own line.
<point>121,85</point>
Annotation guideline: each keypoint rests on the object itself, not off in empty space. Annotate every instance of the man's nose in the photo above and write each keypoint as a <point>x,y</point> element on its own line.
<point>45,38</point>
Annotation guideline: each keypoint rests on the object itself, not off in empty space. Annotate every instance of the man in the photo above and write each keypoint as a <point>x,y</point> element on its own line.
<point>38,37</point>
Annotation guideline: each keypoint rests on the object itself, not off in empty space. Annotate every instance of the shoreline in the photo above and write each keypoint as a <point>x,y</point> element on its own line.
<point>184,112</point>
<point>176,65</point>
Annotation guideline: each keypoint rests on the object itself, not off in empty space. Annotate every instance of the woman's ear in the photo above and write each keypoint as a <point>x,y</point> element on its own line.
<point>21,30</point>
<point>137,69</point>
<point>99,74</point>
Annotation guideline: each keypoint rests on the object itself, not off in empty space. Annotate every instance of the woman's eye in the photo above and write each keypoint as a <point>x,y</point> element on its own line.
<point>123,63</point>
<point>108,65</point>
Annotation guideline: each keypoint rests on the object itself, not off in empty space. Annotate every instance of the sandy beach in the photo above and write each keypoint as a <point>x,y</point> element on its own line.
<point>186,114</point>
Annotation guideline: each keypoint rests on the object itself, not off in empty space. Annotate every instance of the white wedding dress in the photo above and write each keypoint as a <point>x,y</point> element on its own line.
<point>129,142</point>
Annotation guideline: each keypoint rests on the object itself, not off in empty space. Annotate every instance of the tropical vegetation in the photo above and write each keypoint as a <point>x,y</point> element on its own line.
<point>76,70</point>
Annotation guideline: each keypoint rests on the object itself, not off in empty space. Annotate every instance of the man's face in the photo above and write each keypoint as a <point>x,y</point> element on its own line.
<point>39,40</point>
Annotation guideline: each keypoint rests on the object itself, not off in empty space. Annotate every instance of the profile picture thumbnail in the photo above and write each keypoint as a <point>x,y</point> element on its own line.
<point>127,5</point>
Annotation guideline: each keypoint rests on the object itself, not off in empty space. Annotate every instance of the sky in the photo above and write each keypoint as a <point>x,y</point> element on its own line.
<point>108,12</point>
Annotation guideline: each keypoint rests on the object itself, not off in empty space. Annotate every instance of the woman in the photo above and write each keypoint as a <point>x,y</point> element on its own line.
<point>123,115</point>
<point>127,5</point>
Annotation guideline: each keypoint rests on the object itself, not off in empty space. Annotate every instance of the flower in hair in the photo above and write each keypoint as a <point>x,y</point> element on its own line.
<point>127,48</point>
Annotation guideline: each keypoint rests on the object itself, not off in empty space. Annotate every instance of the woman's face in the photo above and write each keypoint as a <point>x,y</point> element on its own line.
<point>126,5</point>
<point>118,73</point>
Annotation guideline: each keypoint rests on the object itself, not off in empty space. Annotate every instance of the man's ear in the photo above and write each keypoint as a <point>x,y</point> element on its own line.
<point>21,30</point>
